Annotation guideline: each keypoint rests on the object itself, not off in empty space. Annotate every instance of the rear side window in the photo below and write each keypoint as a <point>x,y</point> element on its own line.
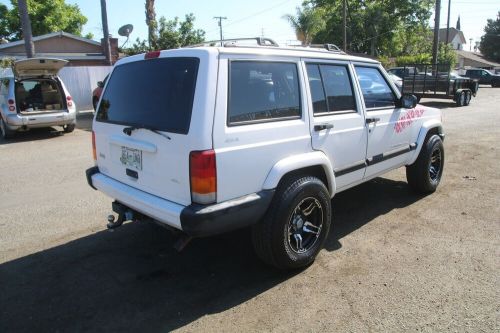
<point>331,88</point>
<point>155,93</point>
<point>376,91</point>
<point>262,91</point>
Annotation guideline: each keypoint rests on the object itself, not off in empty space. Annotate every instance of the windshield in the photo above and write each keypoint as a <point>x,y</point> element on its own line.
<point>156,94</point>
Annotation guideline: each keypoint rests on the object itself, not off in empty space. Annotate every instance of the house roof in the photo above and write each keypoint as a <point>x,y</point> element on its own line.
<point>453,32</point>
<point>477,57</point>
<point>51,35</point>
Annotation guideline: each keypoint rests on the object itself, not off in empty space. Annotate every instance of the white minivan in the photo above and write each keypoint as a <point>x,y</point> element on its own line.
<point>210,139</point>
<point>33,96</point>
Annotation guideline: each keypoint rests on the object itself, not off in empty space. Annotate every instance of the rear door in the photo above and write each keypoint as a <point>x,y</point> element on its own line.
<point>387,125</point>
<point>38,67</point>
<point>338,125</point>
<point>153,113</point>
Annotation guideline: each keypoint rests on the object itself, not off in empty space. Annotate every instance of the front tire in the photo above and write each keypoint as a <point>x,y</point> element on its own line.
<point>296,225</point>
<point>468,97</point>
<point>424,175</point>
<point>461,99</point>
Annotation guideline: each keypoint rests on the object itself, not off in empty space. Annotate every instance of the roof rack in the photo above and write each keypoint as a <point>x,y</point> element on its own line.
<point>261,41</point>
<point>329,47</point>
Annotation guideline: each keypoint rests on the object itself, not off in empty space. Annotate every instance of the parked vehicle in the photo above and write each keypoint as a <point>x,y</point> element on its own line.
<point>208,139</point>
<point>484,76</point>
<point>33,96</point>
<point>96,93</point>
<point>440,84</point>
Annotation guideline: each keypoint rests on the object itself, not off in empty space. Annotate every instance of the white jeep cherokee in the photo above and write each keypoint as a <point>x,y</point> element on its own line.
<point>210,139</point>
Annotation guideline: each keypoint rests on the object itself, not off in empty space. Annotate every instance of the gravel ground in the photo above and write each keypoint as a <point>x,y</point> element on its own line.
<point>394,261</point>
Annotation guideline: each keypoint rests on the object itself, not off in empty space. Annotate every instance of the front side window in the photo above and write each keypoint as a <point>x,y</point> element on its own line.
<point>331,88</point>
<point>155,93</point>
<point>376,91</point>
<point>262,91</point>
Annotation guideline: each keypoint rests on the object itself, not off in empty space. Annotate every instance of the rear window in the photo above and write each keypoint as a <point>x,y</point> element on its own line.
<point>155,93</point>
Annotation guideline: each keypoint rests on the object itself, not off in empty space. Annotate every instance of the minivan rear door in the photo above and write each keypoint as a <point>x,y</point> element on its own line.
<point>38,67</point>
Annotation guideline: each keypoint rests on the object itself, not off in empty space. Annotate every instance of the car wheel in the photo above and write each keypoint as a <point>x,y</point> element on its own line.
<point>69,128</point>
<point>5,132</point>
<point>468,96</point>
<point>296,224</point>
<point>461,99</point>
<point>425,174</point>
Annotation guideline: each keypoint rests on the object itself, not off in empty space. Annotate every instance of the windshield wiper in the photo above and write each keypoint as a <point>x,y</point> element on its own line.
<point>129,130</point>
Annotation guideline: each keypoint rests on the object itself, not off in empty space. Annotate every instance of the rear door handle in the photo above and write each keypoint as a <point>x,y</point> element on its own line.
<point>372,120</point>
<point>321,127</point>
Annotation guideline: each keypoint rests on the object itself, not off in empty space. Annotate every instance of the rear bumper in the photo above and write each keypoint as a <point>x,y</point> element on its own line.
<point>16,121</point>
<point>194,220</point>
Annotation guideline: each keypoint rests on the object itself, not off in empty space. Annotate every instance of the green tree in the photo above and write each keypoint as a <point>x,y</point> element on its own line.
<point>171,34</point>
<point>490,41</point>
<point>46,16</point>
<point>388,28</point>
<point>307,23</point>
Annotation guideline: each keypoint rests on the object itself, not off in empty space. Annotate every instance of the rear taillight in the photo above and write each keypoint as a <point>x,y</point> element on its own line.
<point>12,105</point>
<point>203,173</point>
<point>94,152</point>
<point>152,54</point>
<point>69,100</point>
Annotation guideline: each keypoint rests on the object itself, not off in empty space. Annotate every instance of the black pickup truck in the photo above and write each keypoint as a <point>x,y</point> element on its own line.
<point>484,76</point>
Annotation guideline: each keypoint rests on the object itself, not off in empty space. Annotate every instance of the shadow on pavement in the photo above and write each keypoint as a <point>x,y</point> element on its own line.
<point>132,279</point>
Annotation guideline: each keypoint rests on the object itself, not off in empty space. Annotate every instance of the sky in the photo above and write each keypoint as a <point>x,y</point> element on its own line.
<point>253,18</point>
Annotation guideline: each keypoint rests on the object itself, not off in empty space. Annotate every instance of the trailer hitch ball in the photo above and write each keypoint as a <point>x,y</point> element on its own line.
<point>112,224</point>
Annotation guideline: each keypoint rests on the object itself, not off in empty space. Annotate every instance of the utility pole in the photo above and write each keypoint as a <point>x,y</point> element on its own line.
<point>104,17</point>
<point>448,24</point>
<point>220,18</point>
<point>435,42</point>
<point>26,26</point>
<point>344,24</point>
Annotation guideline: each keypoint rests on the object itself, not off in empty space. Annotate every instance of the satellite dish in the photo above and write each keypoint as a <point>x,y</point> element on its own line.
<point>125,31</point>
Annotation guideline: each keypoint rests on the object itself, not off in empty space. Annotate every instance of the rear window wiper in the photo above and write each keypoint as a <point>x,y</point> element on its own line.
<point>130,129</point>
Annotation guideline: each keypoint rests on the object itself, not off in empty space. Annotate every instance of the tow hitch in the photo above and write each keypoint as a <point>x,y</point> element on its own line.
<point>124,214</point>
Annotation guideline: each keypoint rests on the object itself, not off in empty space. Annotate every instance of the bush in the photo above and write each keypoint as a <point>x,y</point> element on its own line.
<point>423,58</point>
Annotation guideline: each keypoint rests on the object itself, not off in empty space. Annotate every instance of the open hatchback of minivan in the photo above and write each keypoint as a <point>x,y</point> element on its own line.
<point>33,96</point>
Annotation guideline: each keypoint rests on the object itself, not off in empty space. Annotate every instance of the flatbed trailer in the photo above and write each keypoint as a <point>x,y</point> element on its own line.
<point>436,81</point>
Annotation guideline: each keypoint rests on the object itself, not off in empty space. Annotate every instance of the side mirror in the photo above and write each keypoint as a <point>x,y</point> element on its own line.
<point>100,84</point>
<point>408,101</point>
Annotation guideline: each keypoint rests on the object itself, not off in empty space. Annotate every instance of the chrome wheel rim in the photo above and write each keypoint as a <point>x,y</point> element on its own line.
<point>462,98</point>
<point>304,225</point>
<point>435,165</point>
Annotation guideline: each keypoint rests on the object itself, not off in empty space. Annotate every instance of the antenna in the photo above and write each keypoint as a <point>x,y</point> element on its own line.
<point>125,31</point>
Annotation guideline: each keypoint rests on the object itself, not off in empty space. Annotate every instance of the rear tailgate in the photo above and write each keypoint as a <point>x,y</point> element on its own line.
<point>152,114</point>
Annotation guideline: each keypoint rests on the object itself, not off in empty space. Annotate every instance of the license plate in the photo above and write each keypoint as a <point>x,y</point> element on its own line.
<point>131,158</point>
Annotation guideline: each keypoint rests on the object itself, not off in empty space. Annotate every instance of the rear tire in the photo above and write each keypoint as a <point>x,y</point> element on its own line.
<point>468,97</point>
<point>69,128</point>
<point>424,175</point>
<point>296,224</point>
<point>5,132</point>
<point>461,99</point>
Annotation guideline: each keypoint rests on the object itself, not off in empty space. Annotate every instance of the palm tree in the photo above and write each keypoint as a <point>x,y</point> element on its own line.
<point>307,23</point>
<point>152,24</point>
<point>26,26</point>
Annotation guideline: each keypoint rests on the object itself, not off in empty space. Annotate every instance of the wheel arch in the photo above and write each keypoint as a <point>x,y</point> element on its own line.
<point>312,164</point>
<point>431,127</point>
